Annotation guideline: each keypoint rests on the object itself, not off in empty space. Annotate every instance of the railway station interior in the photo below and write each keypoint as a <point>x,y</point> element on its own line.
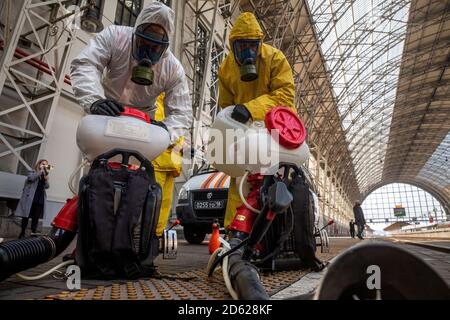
<point>110,190</point>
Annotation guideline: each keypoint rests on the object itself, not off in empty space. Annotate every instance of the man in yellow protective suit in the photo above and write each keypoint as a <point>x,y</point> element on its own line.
<point>167,168</point>
<point>254,77</point>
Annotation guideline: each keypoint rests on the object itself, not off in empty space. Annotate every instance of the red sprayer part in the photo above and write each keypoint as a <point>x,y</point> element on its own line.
<point>292,131</point>
<point>244,218</point>
<point>118,166</point>
<point>135,113</point>
<point>67,216</point>
<point>177,222</point>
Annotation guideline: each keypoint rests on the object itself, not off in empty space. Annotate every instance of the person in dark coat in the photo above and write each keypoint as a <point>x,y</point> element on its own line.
<point>33,199</point>
<point>360,221</point>
<point>352,228</point>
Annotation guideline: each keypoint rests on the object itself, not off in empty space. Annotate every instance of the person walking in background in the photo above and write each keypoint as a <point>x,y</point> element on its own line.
<point>34,196</point>
<point>360,221</point>
<point>352,228</point>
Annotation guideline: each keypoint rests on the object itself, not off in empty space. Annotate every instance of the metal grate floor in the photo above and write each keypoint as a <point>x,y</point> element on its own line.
<point>193,285</point>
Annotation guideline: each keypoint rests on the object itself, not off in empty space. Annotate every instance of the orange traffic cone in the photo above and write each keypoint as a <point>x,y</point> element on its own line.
<point>214,242</point>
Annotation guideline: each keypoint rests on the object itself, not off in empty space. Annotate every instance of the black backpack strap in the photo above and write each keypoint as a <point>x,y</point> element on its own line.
<point>304,238</point>
<point>130,210</point>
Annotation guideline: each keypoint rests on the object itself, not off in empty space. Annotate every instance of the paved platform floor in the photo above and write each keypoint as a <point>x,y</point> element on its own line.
<point>191,262</point>
<point>190,258</point>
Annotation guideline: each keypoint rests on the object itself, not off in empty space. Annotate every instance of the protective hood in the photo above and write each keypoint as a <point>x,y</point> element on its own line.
<point>246,27</point>
<point>157,13</point>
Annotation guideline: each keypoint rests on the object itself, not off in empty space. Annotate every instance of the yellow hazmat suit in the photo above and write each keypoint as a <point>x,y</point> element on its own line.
<point>273,87</point>
<point>167,168</point>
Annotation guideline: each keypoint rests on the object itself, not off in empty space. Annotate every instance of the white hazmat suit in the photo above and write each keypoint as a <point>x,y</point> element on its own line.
<point>103,71</point>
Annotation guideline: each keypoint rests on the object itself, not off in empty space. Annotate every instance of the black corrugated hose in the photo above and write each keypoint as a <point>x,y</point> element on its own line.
<point>23,254</point>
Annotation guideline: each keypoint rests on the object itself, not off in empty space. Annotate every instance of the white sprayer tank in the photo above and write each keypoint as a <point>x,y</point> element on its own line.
<point>132,130</point>
<point>253,147</point>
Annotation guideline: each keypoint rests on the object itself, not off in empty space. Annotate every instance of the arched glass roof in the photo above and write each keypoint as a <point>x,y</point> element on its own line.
<point>362,43</point>
<point>382,57</point>
<point>372,85</point>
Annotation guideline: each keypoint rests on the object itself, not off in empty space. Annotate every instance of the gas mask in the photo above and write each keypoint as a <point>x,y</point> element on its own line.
<point>245,53</point>
<point>148,48</point>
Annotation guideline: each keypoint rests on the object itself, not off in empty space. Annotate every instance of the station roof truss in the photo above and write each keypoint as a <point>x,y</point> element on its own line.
<point>372,85</point>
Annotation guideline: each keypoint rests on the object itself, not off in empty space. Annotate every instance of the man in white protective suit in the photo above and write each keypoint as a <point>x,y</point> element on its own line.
<point>132,66</point>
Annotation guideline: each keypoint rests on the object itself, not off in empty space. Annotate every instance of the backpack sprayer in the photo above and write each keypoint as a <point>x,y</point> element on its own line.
<point>118,146</point>
<point>274,228</point>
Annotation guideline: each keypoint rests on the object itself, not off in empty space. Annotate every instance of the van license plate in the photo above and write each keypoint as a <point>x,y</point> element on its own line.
<point>204,205</point>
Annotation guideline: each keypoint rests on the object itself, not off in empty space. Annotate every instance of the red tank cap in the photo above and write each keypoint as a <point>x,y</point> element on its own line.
<point>292,131</point>
<point>135,113</point>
